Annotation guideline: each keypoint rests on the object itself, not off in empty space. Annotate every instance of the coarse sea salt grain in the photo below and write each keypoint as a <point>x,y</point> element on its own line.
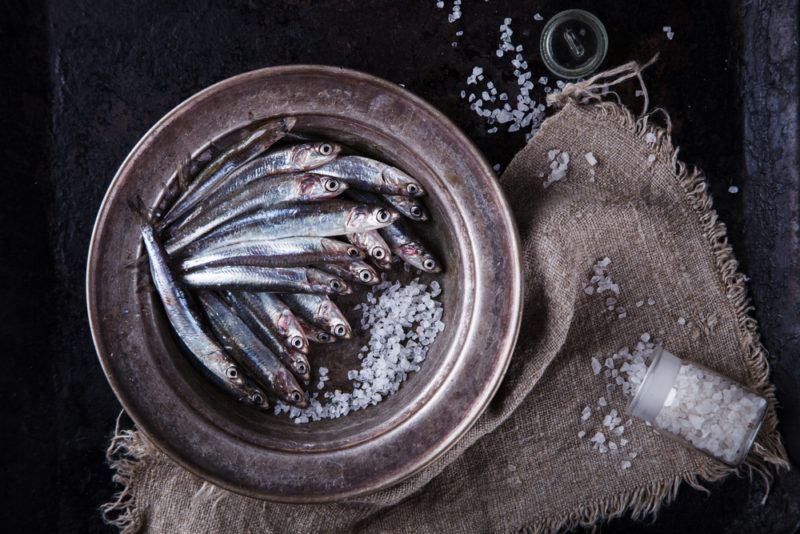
<point>733,189</point>
<point>403,321</point>
<point>590,159</point>
<point>559,165</point>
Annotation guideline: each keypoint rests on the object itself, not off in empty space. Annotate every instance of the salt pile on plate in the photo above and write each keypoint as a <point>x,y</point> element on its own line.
<point>711,412</point>
<point>403,322</point>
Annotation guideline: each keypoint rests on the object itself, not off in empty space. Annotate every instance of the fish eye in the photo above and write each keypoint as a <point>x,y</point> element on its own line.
<point>339,330</point>
<point>365,276</point>
<point>232,372</point>
<point>429,264</point>
<point>353,252</point>
<point>378,253</point>
<point>416,211</point>
<point>324,337</point>
<point>295,396</point>
<point>301,368</point>
<point>296,342</point>
<point>412,189</point>
<point>336,285</point>
<point>332,185</point>
<point>382,215</point>
<point>325,149</point>
<point>257,399</point>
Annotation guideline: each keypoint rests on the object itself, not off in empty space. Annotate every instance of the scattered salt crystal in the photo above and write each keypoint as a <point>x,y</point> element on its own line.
<point>733,190</point>
<point>602,401</point>
<point>596,365</point>
<point>591,159</point>
<point>537,17</point>
<point>639,92</point>
<point>496,167</point>
<point>598,438</point>
<point>639,303</point>
<point>625,464</point>
<point>623,441</point>
<point>650,138</point>
<point>440,4</point>
<point>681,321</point>
<point>586,414</point>
<point>650,302</point>
<point>582,434</point>
<point>651,158</point>
<point>559,164</point>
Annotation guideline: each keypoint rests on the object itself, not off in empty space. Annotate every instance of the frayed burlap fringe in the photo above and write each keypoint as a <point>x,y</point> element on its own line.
<point>129,449</point>
<point>126,455</point>
<point>768,453</point>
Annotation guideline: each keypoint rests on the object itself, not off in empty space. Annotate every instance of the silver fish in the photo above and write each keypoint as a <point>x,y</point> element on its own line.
<point>321,312</point>
<point>252,354</point>
<point>410,207</point>
<point>187,326</point>
<point>248,309</point>
<point>373,245</point>
<point>371,175</point>
<point>255,143</point>
<point>317,335</point>
<point>261,195</point>
<point>282,319</point>
<point>286,252</point>
<point>409,248</point>
<point>268,279</point>
<point>355,271</point>
<point>322,219</point>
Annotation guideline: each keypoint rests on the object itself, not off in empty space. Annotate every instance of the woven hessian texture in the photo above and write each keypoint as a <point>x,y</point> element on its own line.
<point>523,466</point>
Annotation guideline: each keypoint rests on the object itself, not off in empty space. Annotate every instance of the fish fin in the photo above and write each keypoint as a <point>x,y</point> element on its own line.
<point>137,206</point>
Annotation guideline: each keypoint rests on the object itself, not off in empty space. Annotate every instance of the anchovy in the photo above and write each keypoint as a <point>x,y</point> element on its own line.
<point>410,207</point>
<point>371,175</point>
<point>282,319</point>
<point>255,143</point>
<point>323,219</point>
<point>286,252</point>
<point>252,354</point>
<point>317,335</point>
<point>355,271</point>
<point>248,309</point>
<point>269,279</point>
<point>321,312</point>
<point>373,245</point>
<point>261,195</point>
<point>409,248</point>
<point>187,326</point>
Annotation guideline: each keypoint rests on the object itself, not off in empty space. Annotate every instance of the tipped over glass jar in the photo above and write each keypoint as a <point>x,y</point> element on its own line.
<point>698,407</point>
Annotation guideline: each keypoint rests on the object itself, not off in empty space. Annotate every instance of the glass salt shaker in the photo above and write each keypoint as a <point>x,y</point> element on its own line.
<point>699,408</point>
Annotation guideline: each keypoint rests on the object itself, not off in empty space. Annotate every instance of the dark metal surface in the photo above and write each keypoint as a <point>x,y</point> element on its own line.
<point>85,81</point>
<point>267,456</point>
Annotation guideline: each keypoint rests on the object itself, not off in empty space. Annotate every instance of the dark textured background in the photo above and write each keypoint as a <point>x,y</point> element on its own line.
<point>82,81</point>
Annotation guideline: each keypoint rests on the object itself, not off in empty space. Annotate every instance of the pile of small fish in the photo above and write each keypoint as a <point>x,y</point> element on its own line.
<point>251,242</point>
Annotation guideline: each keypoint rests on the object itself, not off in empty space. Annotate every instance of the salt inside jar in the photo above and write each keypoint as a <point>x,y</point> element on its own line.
<point>699,407</point>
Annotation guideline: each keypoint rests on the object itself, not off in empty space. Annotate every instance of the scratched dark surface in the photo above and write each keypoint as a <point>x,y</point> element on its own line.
<point>83,81</point>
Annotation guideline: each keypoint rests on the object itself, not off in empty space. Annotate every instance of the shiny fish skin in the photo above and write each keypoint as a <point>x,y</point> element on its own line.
<point>261,195</point>
<point>187,326</point>
<point>324,219</point>
<point>317,335</point>
<point>278,315</point>
<point>355,271</point>
<point>248,309</point>
<point>290,160</point>
<point>409,248</point>
<point>267,279</point>
<point>321,312</point>
<point>243,345</point>
<point>409,207</point>
<point>255,143</point>
<point>371,175</point>
<point>286,252</point>
<point>373,245</point>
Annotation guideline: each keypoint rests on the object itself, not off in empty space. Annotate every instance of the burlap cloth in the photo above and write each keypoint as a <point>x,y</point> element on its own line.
<point>522,466</point>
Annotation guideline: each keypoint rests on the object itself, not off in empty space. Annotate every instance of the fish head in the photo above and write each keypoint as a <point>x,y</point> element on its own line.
<point>364,217</point>
<point>300,365</point>
<point>257,399</point>
<point>289,326</point>
<point>312,155</point>
<point>324,282</point>
<point>416,210</point>
<point>233,375</point>
<point>312,187</point>
<point>364,273</point>
<point>287,388</point>
<point>419,258</point>
<point>401,183</point>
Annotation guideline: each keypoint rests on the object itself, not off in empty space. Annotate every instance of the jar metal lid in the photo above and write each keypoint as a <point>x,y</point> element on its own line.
<point>573,44</point>
<point>655,386</point>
